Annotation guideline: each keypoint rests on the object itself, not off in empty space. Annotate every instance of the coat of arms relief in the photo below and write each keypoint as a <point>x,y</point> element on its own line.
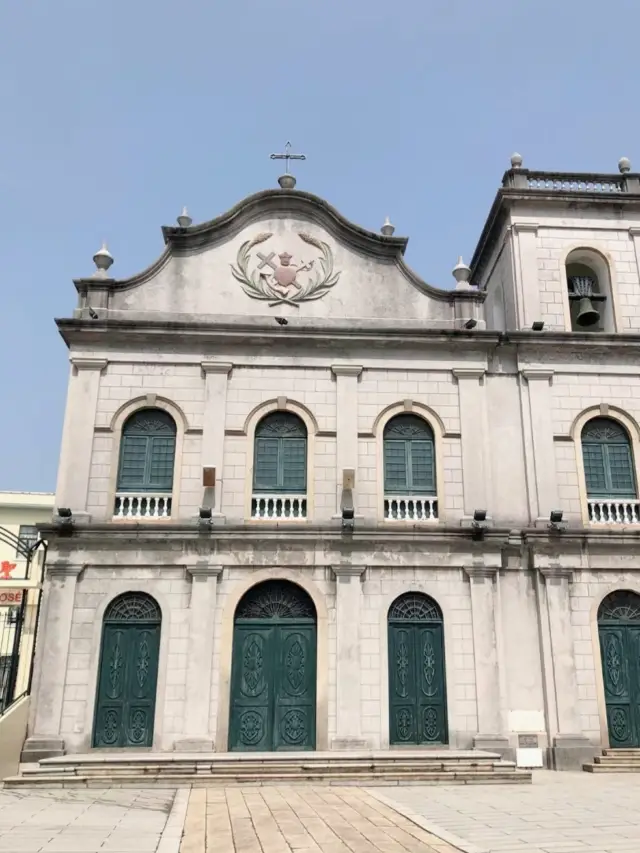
<point>285,278</point>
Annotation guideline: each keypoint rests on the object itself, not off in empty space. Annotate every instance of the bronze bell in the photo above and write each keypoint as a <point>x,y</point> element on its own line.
<point>587,314</point>
<point>582,287</point>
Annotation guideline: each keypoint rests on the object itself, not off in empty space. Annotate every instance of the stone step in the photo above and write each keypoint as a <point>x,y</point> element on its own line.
<point>101,768</point>
<point>255,772</point>
<point>630,751</point>
<point>621,767</point>
<point>410,766</point>
<point>170,780</point>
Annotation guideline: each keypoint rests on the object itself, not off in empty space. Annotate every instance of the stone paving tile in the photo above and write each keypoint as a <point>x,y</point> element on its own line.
<point>85,821</point>
<point>305,819</point>
<point>559,813</point>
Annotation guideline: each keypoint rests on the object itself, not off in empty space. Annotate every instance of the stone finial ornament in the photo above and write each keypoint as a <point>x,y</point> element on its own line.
<point>516,161</point>
<point>624,165</point>
<point>388,228</point>
<point>184,220</point>
<point>462,273</point>
<point>287,182</point>
<point>103,260</point>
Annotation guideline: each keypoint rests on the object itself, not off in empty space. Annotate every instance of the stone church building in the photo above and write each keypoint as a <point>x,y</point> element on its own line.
<point>307,501</point>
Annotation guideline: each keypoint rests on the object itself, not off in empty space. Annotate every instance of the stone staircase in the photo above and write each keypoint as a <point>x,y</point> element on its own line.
<point>120,769</point>
<point>615,761</point>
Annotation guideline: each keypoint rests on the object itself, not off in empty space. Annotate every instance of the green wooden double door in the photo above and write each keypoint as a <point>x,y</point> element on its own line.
<point>620,650</point>
<point>273,685</point>
<point>128,674</point>
<point>417,687</point>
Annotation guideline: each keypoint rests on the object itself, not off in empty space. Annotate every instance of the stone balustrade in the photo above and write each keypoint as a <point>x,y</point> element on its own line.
<point>410,508</point>
<point>142,506</point>
<point>613,511</point>
<point>276,507</point>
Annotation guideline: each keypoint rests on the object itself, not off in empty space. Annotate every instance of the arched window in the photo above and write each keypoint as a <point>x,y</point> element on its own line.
<point>608,462</point>
<point>280,467</point>
<point>589,292</point>
<point>147,452</point>
<point>409,469</point>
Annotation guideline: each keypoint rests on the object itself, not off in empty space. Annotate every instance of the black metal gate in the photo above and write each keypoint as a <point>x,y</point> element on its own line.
<point>19,614</point>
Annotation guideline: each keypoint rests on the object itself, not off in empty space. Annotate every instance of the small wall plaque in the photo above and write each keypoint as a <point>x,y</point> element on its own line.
<point>528,741</point>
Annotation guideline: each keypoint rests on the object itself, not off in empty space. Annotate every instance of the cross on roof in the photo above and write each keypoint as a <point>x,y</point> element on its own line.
<point>288,156</point>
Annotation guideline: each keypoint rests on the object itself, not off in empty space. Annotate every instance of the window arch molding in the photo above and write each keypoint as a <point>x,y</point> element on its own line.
<point>632,430</point>
<point>126,411</point>
<point>434,422</point>
<point>251,423</point>
<point>595,256</point>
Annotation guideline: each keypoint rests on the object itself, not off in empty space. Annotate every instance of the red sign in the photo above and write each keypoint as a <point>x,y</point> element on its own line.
<point>10,597</point>
<point>5,570</point>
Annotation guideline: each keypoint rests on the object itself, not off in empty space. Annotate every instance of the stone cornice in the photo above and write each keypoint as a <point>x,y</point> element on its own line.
<point>88,363</point>
<point>346,369</point>
<point>556,573</point>
<point>525,227</point>
<point>62,569</point>
<point>348,571</point>
<point>537,373</point>
<point>204,570</point>
<point>216,367</point>
<point>469,373</point>
<point>479,573</point>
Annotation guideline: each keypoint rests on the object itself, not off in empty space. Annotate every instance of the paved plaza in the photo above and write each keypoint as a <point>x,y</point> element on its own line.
<point>559,813</point>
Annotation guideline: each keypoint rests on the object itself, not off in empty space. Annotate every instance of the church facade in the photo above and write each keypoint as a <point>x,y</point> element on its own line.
<point>306,501</point>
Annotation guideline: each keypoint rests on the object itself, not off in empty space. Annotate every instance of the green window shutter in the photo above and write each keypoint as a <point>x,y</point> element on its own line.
<point>594,469</point>
<point>161,451</point>
<point>265,465</point>
<point>395,466</point>
<point>133,455</point>
<point>422,469</point>
<point>293,464</point>
<point>147,452</point>
<point>620,470</point>
<point>280,454</point>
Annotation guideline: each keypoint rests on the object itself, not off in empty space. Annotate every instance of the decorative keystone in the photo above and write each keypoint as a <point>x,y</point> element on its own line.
<point>103,260</point>
<point>388,228</point>
<point>184,220</point>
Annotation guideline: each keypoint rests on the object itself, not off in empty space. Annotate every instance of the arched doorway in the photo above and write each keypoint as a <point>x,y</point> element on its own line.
<point>128,672</point>
<point>417,686</point>
<point>273,671</point>
<point>619,630</point>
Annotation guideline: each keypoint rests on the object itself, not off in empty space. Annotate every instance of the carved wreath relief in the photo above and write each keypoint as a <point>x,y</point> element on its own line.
<point>274,278</point>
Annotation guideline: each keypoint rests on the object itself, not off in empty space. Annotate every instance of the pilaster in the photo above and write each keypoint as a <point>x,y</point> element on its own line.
<point>475,432</point>
<point>487,660</point>
<point>204,590</point>
<point>77,434</point>
<point>346,424</point>
<point>348,663</point>
<point>570,747</point>
<point>216,376</point>
<point>527,286</point>
<point>543,492</point>
<point>52,655</point>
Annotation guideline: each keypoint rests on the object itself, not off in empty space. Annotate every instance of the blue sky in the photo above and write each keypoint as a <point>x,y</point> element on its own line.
<point>115,114</point>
